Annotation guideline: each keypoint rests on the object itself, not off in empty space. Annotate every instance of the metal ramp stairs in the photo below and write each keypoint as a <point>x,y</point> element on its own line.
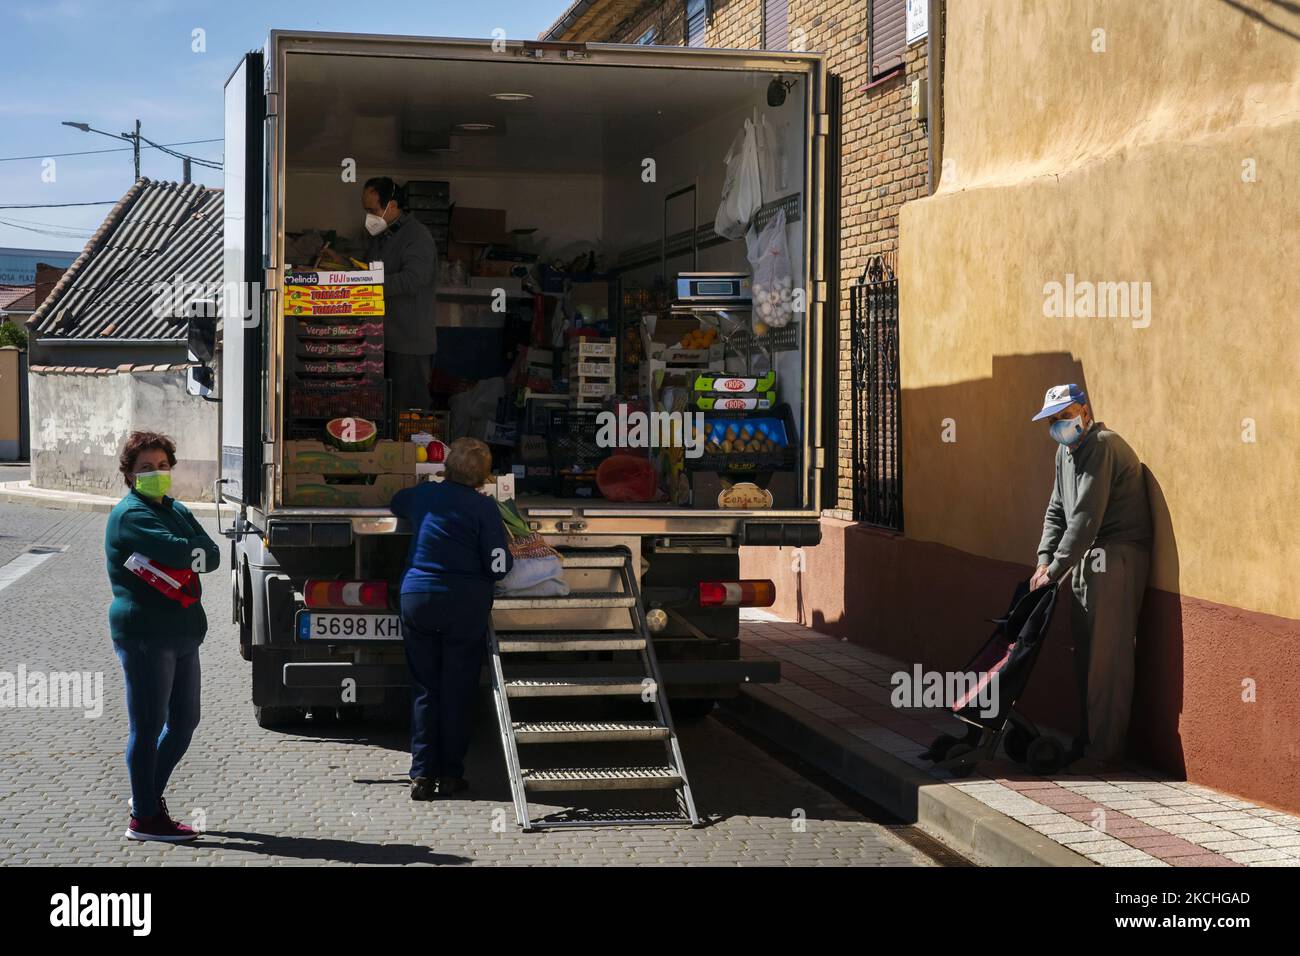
<point>641,683</point>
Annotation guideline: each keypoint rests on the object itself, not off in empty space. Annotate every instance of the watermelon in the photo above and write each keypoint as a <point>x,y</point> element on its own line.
<point>351,434</point>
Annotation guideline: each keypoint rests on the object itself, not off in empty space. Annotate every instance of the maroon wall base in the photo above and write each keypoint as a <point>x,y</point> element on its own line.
<point>1217,699</point>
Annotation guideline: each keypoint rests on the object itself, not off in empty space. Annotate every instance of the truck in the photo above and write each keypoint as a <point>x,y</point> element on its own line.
<point>621,144</point>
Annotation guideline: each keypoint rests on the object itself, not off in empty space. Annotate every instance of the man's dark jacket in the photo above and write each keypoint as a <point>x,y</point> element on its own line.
<point>410,259</point>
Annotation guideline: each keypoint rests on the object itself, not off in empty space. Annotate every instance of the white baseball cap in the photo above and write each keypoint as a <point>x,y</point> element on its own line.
<point>1059,397</point>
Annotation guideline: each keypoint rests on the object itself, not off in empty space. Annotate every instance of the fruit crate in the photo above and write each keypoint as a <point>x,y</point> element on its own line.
<point>359,401</point>
<point>779,427</point>
<point>411,421</point>
<point>571,439</point>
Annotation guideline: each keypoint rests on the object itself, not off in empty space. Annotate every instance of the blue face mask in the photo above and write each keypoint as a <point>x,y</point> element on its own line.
<point>1069,431</point>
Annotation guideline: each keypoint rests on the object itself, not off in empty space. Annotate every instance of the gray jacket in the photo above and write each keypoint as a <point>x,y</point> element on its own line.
<point>1100,496</point>
<point>410,258</point>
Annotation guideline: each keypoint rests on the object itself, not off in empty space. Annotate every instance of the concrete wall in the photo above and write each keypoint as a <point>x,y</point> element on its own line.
<point>1151,143</point>
<point>1167,159</point>
<point>80,420</point>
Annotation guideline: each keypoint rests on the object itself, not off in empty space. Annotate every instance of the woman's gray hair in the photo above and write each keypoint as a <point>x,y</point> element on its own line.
<point>469,462</point>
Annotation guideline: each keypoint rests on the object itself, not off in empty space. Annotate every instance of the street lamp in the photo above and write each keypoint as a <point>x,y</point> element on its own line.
<point>132,138</point>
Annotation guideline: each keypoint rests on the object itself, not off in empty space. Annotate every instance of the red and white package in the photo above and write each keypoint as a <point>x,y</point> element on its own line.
<point>179,584</point>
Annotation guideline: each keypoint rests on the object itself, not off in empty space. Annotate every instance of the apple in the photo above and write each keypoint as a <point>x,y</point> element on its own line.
<point>436,451</point>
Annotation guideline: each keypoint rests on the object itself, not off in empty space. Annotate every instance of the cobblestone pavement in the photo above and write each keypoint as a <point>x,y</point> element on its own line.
<point>332,793</point>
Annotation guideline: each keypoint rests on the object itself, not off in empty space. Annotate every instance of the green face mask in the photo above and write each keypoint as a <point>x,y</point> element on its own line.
<point>153,484</point>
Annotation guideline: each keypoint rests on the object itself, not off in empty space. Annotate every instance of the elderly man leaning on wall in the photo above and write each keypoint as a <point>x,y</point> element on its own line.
<point>1098,525</point>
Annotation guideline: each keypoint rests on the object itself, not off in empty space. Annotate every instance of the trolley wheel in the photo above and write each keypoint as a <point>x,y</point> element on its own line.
<point>1016,742</point>
<point>939,749</point>
<point>1045,755</point>
<point>955,752</point>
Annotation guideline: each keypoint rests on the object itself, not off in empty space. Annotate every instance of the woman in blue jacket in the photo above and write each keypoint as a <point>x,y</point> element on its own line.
<point>151,541</point>
<point>458,552</point>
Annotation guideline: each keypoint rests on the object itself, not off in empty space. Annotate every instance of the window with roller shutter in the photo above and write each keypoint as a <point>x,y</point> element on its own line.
<point>776,24</point>
<point>697,19</point>
<point>888,35</point>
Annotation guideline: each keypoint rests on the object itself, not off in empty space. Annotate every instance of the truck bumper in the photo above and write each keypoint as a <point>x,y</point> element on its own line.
<point>684,679</point>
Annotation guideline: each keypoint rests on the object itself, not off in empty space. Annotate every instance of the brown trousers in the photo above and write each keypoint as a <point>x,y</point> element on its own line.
<point>1106,598</point>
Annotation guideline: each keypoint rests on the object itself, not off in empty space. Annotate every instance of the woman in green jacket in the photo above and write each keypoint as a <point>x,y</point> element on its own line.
<point>155,551</point>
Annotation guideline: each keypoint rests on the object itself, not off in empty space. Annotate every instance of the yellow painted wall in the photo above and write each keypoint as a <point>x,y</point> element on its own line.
<point>1120,165</point>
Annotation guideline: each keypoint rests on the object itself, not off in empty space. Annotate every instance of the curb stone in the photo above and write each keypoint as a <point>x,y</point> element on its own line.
<point>968,826</point>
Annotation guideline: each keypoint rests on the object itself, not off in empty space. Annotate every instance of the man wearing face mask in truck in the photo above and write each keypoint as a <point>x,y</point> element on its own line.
<point>1098,523</point>
<point>410,259</point>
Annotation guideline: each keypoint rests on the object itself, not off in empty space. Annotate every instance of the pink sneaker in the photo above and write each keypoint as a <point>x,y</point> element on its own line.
<point>160,827</point>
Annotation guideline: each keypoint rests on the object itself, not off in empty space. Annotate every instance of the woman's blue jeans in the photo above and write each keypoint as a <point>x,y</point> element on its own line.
<point>162,703</point>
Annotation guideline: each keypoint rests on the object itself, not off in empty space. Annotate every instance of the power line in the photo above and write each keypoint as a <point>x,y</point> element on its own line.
<point>193,159</point>
<point>61,205</point>
<point>37,222</point>
<point>58,234</point>
<point>123,149</point>
<point>135,139</point>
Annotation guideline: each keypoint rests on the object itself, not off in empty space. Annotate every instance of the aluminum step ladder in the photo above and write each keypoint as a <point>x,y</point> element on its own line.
<point>642,682</point>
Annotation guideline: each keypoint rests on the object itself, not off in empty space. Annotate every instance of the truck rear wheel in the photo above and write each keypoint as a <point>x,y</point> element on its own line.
<point>691,710</point>
<point>244,610</point>
<point>269,718</point>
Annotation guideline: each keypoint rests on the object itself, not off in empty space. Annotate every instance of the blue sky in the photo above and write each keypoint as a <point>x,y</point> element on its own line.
<point>109,62</point>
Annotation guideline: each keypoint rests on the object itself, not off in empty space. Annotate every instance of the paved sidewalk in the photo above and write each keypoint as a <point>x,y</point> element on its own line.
<point>1129,816</point>
<point>23,493</point>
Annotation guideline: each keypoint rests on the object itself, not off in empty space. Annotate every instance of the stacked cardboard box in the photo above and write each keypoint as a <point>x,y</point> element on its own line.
<point>338,358</point>
<point>591,370</point>
<point>317,474</point>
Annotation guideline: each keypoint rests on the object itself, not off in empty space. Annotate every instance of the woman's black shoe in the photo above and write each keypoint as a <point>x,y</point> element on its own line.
<point>422,788</point>
<point>450,785</point>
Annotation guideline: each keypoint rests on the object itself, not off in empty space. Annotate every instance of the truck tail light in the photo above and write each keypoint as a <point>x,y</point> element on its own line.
<point>318,593</point>
<point>755,593</point>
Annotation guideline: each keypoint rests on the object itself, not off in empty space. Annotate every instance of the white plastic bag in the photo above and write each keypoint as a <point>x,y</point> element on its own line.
<point>526,575</point>
<point>472,410</point>
<point>742,192</point>
<point>773,285</point>
<point>548,588</point>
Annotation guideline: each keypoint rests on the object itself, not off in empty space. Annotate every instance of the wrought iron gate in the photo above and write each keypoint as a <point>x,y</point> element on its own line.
<point>876,405</point>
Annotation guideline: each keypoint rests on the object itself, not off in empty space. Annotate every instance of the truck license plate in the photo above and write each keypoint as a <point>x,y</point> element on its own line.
<point>326,626</point>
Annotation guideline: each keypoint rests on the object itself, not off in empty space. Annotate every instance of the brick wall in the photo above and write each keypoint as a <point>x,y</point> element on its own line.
<point>884,153</point>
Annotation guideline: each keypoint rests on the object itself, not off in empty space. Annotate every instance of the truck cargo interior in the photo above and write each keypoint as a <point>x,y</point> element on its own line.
<point>573,207</point>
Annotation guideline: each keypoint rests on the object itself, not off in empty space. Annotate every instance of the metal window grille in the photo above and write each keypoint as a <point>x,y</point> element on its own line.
<point>877,399</point>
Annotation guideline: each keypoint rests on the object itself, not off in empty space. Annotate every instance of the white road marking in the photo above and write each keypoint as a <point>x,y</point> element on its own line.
<point>25,562</point>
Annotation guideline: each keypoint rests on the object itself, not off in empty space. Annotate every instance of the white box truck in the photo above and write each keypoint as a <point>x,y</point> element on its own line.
<point>617,144</point>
